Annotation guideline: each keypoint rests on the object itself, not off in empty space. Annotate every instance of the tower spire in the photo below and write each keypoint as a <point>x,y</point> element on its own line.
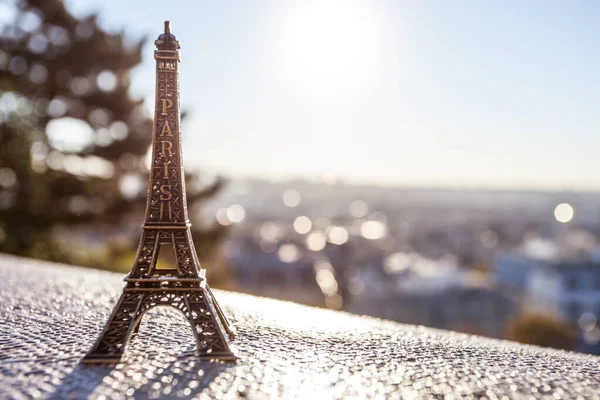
<point>183,286</point>
<point>167,41</point>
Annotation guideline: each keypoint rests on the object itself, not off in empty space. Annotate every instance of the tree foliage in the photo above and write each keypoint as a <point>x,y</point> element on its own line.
<point>57,68</point>
<point>542,330</point>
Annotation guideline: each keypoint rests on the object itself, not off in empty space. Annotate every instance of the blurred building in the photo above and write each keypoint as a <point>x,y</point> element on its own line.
<point>560,277</point>
<point>283,271</point>
<point>513,269</point>
<point>566,288</point>
<point>435,293</point>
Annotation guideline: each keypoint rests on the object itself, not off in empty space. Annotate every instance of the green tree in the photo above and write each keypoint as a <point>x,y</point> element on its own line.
<point>60,71</point>
<point>541,330</point>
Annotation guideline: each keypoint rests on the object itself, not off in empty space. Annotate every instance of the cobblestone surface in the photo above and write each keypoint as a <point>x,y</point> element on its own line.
<point>51,314</point>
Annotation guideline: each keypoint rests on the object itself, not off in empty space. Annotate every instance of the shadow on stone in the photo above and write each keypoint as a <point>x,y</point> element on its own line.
<point>83,380</point>
<point>147,377</point>
<point>159,362</point>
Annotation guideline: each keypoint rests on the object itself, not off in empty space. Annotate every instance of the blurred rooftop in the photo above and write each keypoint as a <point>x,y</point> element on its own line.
<point>571,245</point>
<point>52,313</point>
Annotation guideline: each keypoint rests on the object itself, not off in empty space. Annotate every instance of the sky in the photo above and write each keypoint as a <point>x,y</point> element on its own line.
<point>433,93</point>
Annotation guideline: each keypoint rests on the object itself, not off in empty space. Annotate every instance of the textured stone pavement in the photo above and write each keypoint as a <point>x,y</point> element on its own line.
<point>50,315</point>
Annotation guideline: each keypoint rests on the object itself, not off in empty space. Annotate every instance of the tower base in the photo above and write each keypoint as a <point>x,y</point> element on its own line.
<point>209,326</point>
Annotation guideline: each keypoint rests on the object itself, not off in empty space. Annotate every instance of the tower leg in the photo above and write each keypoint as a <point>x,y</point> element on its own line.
<point>136,328</point>
<point>224,321</point>
<point>111,343</point>
<point>211,334</point>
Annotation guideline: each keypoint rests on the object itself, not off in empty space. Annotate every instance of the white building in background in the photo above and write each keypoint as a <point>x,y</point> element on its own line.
<point>561,278</point>
<point>567,289</point>
<point>570,290</point>
<point>414,289</point>
<point>513,269</point>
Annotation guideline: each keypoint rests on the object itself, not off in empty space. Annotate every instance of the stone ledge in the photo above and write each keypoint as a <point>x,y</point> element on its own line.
<point>52,313</point>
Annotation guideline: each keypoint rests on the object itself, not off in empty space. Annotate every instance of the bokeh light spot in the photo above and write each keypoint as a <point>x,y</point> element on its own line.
<point>337,235</point>
<point>222,217</point>
<point>236,213</point>
<point>373,230</point>
<point>269,231</point>
<point>106,81</point>
<point>315,241</point>
<point>302,224</point>
<point>291,198</point>
<point>564,213</point>
<point>288,253</point>
<point>358,208</point>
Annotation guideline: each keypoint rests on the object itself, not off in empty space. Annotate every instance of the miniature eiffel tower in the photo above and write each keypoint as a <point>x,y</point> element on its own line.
<point>185,286</point>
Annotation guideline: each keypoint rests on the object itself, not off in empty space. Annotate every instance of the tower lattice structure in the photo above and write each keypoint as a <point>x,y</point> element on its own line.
<point>184,286</point>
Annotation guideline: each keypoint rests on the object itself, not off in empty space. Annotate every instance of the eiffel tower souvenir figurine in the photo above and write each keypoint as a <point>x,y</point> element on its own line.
<point>183,287</point>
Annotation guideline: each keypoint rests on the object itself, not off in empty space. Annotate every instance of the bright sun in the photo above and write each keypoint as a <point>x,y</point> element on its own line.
<point>330,49</point>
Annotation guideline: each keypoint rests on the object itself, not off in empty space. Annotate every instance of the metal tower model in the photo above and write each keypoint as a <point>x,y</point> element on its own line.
<point>183,287</point>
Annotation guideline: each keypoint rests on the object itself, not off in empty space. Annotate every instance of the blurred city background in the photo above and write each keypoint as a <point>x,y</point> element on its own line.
<point>431,163</point>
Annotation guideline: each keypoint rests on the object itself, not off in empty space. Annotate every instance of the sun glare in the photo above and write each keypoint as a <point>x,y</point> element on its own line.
<point>330,49</point>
